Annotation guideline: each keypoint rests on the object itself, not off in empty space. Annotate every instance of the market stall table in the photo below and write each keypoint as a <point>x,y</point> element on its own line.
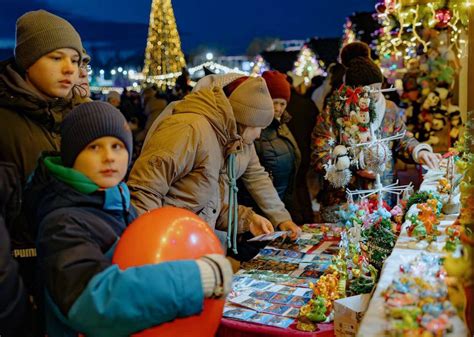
<point>374,323</point>
<point>230,327</point>
<point>233,328</point>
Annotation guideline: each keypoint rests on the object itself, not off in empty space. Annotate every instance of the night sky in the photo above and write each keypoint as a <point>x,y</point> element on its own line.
<point>227,25</point>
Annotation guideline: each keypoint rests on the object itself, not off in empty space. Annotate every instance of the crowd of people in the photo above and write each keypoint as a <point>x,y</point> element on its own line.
<point>243,153</point>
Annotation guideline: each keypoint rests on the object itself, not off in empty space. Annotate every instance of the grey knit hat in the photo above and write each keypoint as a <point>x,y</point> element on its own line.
<point>90,121</point>
<point>39,33</point>
<point>252,103</point>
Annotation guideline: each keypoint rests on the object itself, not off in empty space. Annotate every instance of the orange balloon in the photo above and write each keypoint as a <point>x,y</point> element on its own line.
<point>169,234</point>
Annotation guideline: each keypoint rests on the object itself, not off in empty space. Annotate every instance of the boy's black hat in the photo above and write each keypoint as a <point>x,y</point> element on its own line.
<point>90,121</point>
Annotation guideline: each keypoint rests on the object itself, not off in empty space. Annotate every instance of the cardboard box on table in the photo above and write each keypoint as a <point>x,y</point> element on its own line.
<point>348,313</point>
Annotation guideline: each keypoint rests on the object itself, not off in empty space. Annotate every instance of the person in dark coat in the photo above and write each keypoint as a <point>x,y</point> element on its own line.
<point>13,298</point>
<point>35,94</point>
<point>83,207</point>
<point>303,114</point>
<point>276,148</point>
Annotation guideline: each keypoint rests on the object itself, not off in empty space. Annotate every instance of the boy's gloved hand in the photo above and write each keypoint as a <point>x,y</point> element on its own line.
<point>216,275</point>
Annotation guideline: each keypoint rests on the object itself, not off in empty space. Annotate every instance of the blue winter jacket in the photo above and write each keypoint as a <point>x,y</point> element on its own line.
<point>84,291</point>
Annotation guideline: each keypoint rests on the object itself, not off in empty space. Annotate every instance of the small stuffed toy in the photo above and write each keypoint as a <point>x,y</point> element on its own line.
<point>437,124</point>
<point>454,116</point>
<point>432,103</point>
<point>337,170</point>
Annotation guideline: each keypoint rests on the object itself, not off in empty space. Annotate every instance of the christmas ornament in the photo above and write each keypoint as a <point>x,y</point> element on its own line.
<point>337,170</point>
<point>443,16</point>
<point>380,7</point>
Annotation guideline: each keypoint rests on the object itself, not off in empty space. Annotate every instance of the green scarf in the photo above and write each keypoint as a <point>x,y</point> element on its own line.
<point>77,180</point>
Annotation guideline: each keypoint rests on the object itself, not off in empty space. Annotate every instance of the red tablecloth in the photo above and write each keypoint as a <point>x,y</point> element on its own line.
<point>233,328</point>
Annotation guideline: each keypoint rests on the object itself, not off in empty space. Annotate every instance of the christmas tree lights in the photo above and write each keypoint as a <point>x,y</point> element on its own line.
<point>163,54</point>
<point>307,65</point>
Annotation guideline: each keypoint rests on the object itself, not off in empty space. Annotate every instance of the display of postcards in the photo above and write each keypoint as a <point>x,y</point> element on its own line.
<point>260,318</point>
<point>275,266</point>
<point>268,252</point>
<point>309,242</point>
<point>291,254</point>
<point>307,273</point>
<point>281,298</point>
<point>318,257</point>
<point>238,313</point>
<point>261,285</point>
<point>262,295</point>
<point>306,293</point>
<point>290,245</point>
<point>250,302</point>
<point>277,309</point>
<point>240,283</point>
<point>269,236</point>
<point>282,289</point>
<point>293,312</point>
<point>297,301</point>
<point>319,266</point>
<point>299,282</point>
<point>281,322</point>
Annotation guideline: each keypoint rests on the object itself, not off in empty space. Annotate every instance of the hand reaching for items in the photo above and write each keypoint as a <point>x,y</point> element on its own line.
<point>290,226</point>
<point>260,225</point>
<point>431,160</point>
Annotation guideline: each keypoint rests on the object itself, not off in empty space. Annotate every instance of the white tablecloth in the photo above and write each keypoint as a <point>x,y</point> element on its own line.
<point>374,322</point>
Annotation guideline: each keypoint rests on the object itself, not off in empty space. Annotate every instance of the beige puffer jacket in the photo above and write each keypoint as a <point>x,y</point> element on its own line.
<point>182,163</point>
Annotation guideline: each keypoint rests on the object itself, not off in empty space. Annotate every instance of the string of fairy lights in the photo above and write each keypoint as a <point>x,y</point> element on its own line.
<point>401,36</point>
<point>402,22</point>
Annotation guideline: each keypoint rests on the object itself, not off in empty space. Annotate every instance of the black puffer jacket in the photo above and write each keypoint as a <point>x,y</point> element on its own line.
<point>279,155</point>
<point>30,123</point>
<point>13,299</point>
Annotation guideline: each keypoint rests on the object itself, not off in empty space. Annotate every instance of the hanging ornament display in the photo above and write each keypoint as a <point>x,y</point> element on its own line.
<point>375,157</point>
<point>421,44</point>
<point>353,112</point>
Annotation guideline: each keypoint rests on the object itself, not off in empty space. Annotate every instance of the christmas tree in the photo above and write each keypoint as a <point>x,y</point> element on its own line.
<point>307,65</point>
<point>163,54</point>
<point>259,67</point>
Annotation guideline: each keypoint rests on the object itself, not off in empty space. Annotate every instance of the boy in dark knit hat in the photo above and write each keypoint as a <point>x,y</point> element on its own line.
<point>82,208</point>
<point>35,94</point>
